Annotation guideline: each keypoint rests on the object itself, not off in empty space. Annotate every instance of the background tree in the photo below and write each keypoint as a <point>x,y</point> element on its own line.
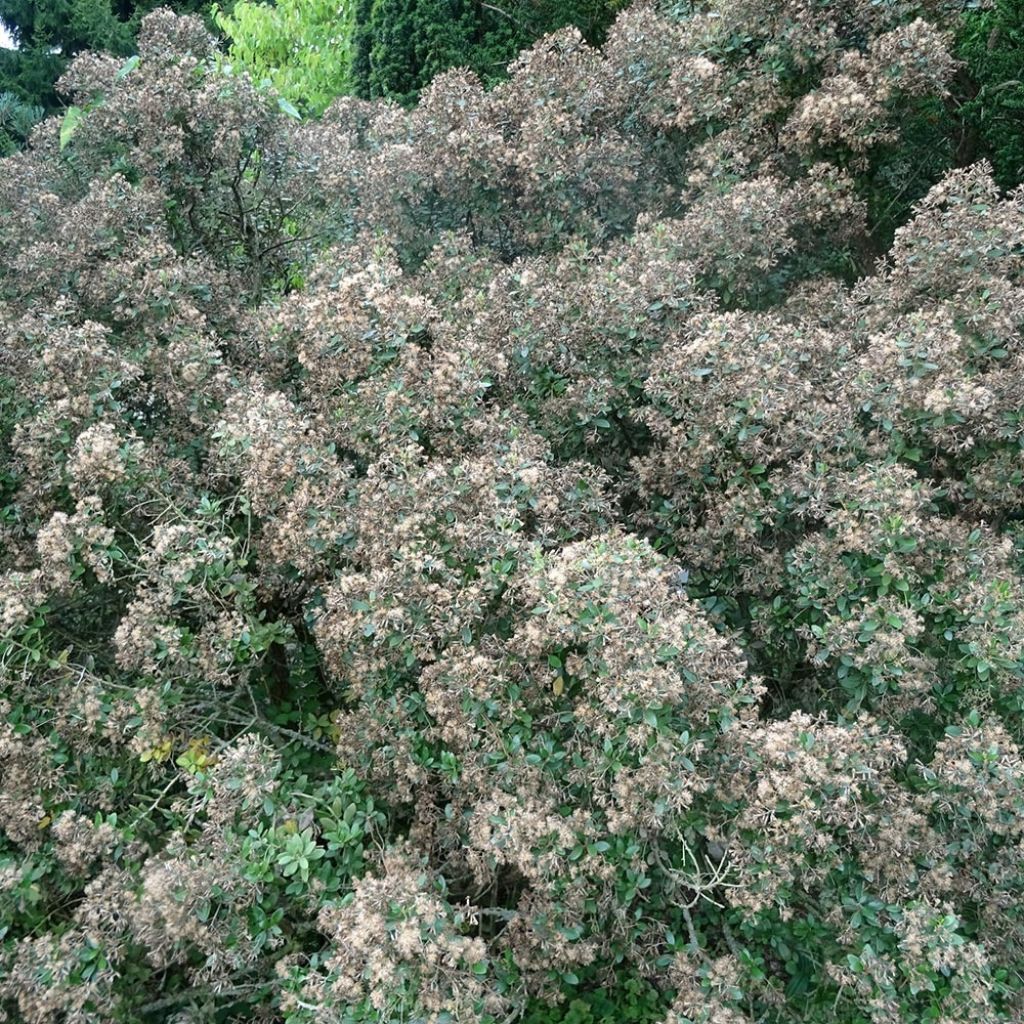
<point>16,121</point>
<point>991,45</point>
<point>403,44</point>
<point>313,52</point>
<point>302,47</point>
<point>48,33</point>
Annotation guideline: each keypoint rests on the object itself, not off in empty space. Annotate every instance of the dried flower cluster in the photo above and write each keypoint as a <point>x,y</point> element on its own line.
<point>454,560</point>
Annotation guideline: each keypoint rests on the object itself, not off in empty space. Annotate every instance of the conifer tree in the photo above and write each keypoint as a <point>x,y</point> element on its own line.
<point>48,33</point>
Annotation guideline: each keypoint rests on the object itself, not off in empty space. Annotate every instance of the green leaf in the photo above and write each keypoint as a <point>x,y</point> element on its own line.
<point>72,119</point>
<point>288,108</point>
<point>127,68</point>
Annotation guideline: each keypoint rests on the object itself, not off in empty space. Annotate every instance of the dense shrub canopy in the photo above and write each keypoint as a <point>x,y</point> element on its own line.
<point>549,547</point>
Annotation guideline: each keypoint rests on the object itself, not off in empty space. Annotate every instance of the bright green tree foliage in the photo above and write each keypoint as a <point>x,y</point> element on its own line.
<point>301,46</point>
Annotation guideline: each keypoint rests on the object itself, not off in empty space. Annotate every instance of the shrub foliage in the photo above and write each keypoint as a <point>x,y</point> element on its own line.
<point>531,556</point>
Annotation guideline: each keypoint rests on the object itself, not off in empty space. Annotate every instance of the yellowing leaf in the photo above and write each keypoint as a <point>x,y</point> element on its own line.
<point>159,753</point>
<point>195,756</point>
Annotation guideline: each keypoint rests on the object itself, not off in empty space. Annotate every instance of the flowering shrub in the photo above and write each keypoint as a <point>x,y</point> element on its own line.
<point>516,558</point>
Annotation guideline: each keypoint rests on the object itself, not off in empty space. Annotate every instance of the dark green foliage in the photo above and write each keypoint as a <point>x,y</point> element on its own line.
<point>992,111</point>
<point>49,32</point>
<point>16,121</point>
<point>634,1001</point>
<point>401,45</point>
<point>29,73</point>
